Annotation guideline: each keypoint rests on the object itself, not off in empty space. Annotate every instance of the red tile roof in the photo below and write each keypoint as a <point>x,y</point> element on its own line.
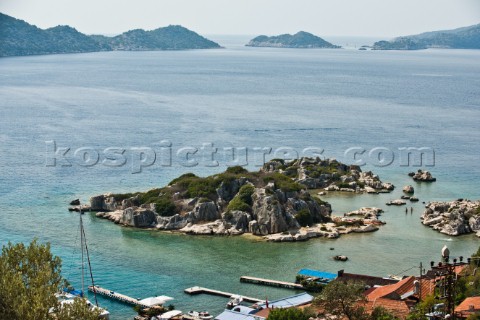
<point>468,306</point>
<point>393,291</point>
<point>427,287</point>
<point>398,307</point>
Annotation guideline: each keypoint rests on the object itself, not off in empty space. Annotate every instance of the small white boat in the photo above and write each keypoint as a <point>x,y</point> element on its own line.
<point>67,298</point>
<point>204,315</point>
<point>235,300</point>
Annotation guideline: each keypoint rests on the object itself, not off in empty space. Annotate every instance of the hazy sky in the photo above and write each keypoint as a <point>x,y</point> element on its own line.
<point>383,18</point>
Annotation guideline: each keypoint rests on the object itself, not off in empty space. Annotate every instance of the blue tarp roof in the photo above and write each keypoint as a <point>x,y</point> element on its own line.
<point>319,274</point>
<point>232,315</point>
<point>293,301</point>
<point>78,293</point>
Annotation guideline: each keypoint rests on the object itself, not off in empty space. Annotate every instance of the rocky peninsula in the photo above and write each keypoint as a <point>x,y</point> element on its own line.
<point>300,39</point>
<point>453,218</point>
<point>278,202</point>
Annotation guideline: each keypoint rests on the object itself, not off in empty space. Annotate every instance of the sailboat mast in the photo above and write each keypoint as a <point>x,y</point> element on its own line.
<point>82,240</point>
<point>90,269</point>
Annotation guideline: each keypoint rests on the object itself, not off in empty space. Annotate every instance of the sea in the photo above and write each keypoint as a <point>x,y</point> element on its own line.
<point>77,125</point>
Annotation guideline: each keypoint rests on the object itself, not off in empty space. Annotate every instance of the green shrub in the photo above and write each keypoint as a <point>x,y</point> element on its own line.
<point>304,218</point>
<point>236,170</point>
<point>238,205</point>
<point>164,206</point>
<point>343,185</point>
<point>283,182</point>
<point>320,202</point>
<point>228,215</point>
<point>243,200</point>
<point>119,197</point>
<point>182,178</point>
<point>291,172</point>
<point>245,193</point>
<point>149,196</point>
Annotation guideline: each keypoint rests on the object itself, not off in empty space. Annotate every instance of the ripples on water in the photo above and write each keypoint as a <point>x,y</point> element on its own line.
<point>241,97</point>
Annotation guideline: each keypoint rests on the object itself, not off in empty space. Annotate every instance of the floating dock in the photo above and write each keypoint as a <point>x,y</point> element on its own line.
<point>199,290</point>
<point>116,296</point>
<point>272,283</point>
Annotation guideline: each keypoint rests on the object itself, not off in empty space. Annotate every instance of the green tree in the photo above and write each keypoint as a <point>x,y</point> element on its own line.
<point>474,316</point>
<point>79,309</point>
<point>380,313</point>
<point>340,299</point>
<point>29,278</point>
<point>290,314</point>
<point>422,308</point>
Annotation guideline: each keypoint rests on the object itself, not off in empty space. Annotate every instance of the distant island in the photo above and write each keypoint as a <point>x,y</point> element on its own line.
<point>301,39</point>
<point>279,202</point>
<point>461,38</point>
<point>19,38</point>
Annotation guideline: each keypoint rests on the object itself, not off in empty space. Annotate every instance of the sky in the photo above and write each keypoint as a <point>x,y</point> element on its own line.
<point>369,18</point>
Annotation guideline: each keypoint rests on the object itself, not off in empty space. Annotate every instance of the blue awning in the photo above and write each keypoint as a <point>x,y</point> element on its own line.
<point>324,276</point>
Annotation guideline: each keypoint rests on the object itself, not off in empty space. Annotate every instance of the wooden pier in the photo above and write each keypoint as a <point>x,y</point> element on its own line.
<point>272,283</point>
<point>199,290</point>
<point>116,296</point>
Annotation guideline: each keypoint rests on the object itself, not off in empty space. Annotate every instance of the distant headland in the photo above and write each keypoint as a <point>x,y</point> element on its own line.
<point>461,38</point>
<point>301,39</point>
<point>19,38</point>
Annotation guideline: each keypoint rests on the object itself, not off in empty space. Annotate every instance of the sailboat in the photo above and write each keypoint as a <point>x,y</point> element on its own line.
<point>69,294</point>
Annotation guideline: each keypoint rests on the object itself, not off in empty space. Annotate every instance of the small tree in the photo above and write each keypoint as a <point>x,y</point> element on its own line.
<point>290,314</point>
<point>340,299</point>
<point>380,313</point>
<point>29,278</point>
<point>422,308</point>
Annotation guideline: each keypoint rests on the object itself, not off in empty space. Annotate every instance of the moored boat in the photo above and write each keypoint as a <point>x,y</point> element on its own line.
<point>235,300</point>
<point>204,315</point>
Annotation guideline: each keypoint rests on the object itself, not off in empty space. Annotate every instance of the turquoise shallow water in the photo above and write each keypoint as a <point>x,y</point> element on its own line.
<point>237,97</point>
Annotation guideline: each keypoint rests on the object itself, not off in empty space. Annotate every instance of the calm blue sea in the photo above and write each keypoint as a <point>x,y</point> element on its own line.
<point>232,98</point>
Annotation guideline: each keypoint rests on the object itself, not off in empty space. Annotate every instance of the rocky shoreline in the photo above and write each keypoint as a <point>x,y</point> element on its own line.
<point>454,217</point>
<point>274,203</point>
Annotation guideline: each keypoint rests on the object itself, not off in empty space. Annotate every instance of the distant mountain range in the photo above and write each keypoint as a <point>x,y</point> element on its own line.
<point>18,38</point>
<point>461,38</point>
<point>301,39</point>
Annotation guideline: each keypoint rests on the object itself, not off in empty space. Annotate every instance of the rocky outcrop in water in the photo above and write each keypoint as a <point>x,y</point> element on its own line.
<point>453,218</point>
<point>408,189</point>
<point>363,220</point>
<point>422,176</point>
<point>273,201</point>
